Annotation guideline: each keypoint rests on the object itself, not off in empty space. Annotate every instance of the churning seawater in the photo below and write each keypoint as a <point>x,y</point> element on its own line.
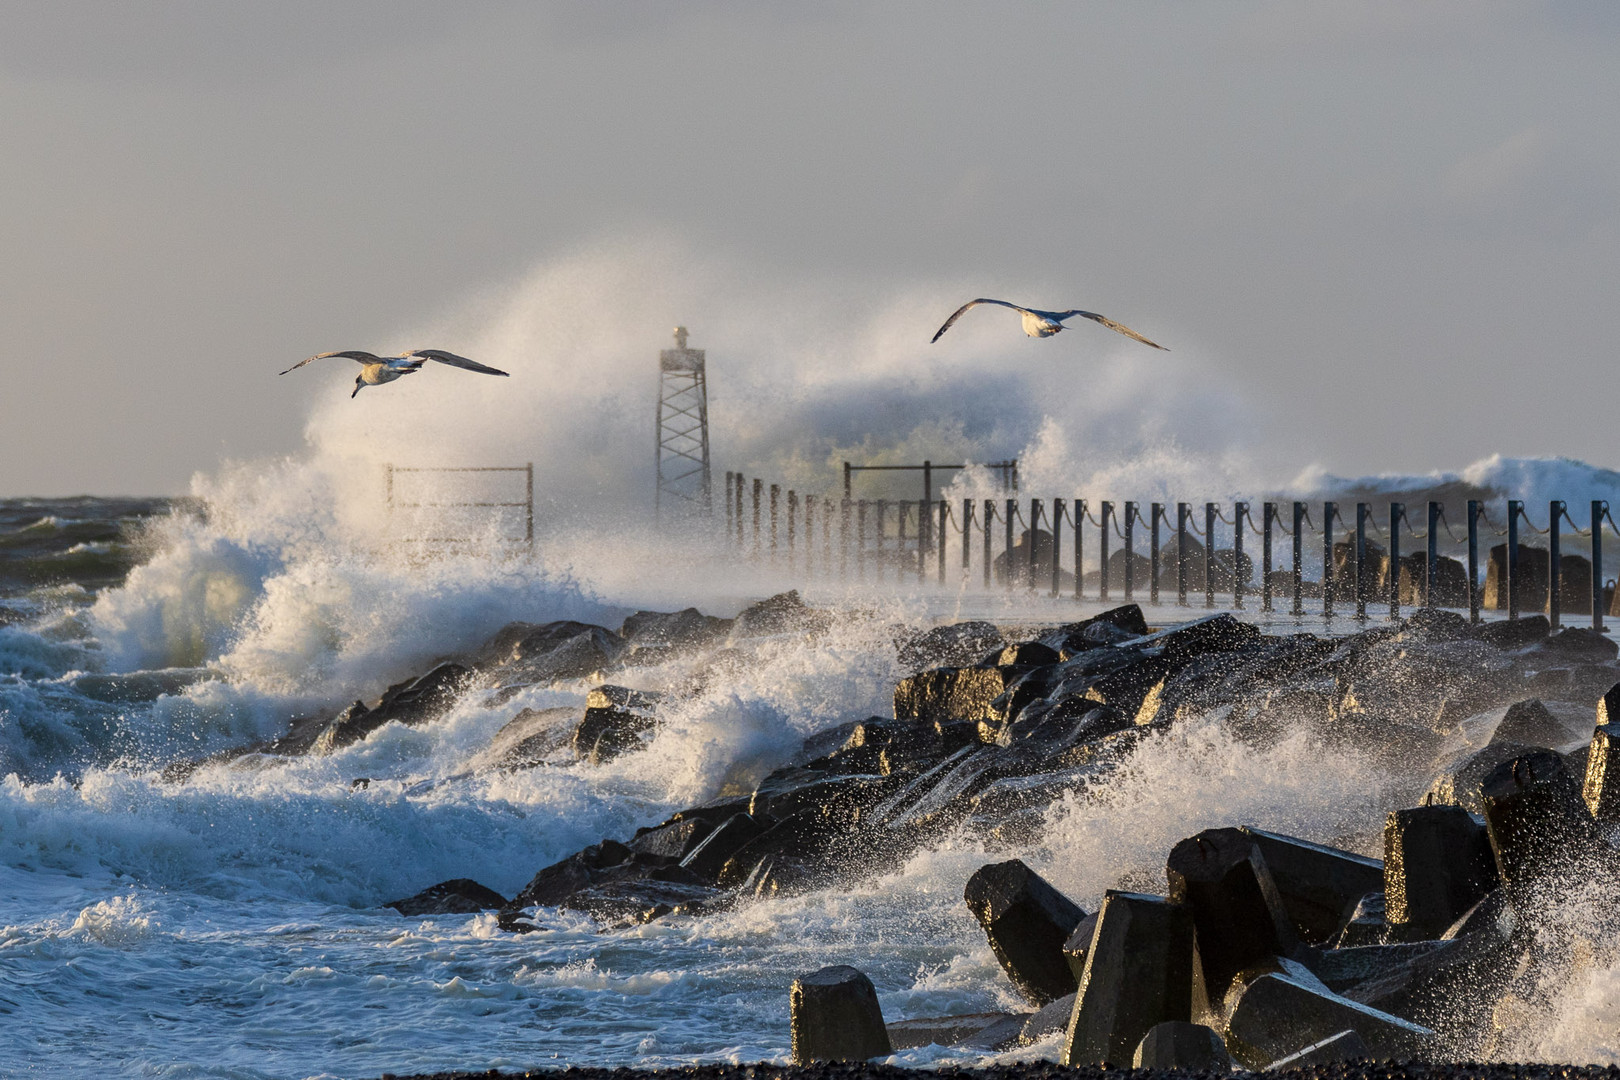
<point>231,925</point>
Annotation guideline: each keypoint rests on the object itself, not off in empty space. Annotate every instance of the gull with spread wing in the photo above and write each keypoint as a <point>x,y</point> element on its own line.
<point>376,370</point>
<point>1045,323</point>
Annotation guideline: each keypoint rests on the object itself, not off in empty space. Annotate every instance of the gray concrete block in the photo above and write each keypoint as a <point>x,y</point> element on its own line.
<point>1437,865</point>
<point>1537,821</point>
<point>1177,1044</point>
<point>1138,973</point>
<point>836,1017</point>
<point>1317,883</point>
<point>1276,1015</point>
<point>1027,922</point>
<point>1224,881</point>
<point>1345,1046</point>
<point>1601,791</point>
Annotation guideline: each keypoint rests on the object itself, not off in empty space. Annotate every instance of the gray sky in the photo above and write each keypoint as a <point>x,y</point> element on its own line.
<point>1392,230</point>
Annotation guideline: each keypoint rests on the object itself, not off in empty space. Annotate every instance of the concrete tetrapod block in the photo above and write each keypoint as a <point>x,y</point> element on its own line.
<point>1177,1044</point>
<point>1027,922</point>
<point>836,1017</point>
<point>1317,884</point>
<point>1277,1015</point>
<point>1138,973</point>
<point>1608,706</point>
<point>1437,865</point>
<point>1223,879</point>
<point>1601,792</point>
<point>1536,818</point>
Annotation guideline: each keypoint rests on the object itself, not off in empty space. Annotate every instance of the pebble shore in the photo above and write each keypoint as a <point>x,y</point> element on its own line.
<point>1046,1070</point>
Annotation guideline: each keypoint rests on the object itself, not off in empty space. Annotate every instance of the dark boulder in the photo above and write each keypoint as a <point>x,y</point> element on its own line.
<point>1317,884</point>
<point>1224,881</point>
<point>950,694</point>
<point>1537,821</point>
<point>1437,865</point>
<point>1109,628</point>
<point>940,1030</point>
<point>633,902</point>
<point>615,720</point>
<point>531,737</point>
<point>458,896</point>
<point>350,726</point>
<point>1531,585</point>
<point>528,652</point>
<point>1026,921</point>
<point>836,1017</point>
<point>1513,633</point>
<point>1179,1044</point>
<point>784,613</point>
<point>1458,785</point>
<point>953,645</point>
<point>1277,1015</point>
<point>414,701</point>
<point>674,630</point>
<point>1601,790</point>
<point>1341,969</point>
<point>590,866</point>
<point>710,855</point>
<point>673,839</point>
<point>1138,974</point>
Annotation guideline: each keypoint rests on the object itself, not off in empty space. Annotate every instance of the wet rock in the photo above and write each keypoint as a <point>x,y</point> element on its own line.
<point>672,839</point>
<point>615,720</point>
<point>555,883</point>
<point>836,1017</point>
<point>526,652</point>
<point>1109,628</point>
<point>788,792</point>
<point>1514,633</point>
<point>458,896</point>
<point>1277,1015</point>
<point>1459,785</point>
<point>1179,1044</point>
<point>1212,634</point>
<point>1450,587</point>
<point>1608,707</point>
<point>1340,969</point>
<point>1537,821</point>
<point>674,630</point>
<point>1601,790</point>
<point>1026,921</point>
<point>1577,644</point>
<point>712,853</point>
<point>1078,946</point>
<point>1123,565</point>
<point>1316,883</point>
<point>1049,1019</point>
<point>1345,1046</point>
<point>945,694</point>
<point>1018,566</point>
<point>953,645</point>
<point>631,903</point>
<point>942,1030</point>
<point>351,726</point>
<point>1138,974</point>
<point>784,613</point>
<point>1530,723</point>
<point>530,738</point>
<point>1437,865</point>
<point>1364,924</point>
<point>1224,881</point>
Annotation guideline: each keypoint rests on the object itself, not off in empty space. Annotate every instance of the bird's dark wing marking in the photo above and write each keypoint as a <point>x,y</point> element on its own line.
<point>456,361</point>
<point>350,354</point>
<point>1112,325</point>
<point>964,307</point>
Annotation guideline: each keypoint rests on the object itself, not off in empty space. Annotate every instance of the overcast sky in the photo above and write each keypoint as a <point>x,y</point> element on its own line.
<point>1392,230</point>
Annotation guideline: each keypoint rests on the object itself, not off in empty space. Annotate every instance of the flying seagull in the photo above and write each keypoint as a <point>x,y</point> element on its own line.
<point>376,370</point>
<point>1045,323</point>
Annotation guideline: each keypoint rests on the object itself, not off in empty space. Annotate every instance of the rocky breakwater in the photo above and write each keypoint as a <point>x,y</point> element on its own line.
<point>1260,947</point>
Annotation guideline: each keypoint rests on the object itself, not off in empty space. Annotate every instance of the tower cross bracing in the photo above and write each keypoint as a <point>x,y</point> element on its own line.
<point>682,450</point>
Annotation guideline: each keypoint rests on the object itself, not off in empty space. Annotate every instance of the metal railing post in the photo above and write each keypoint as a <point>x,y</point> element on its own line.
<point>528,521</point>
<point>967,539</point>
<point>944,512</point>
<point>1396,512</point>
<point>1268,517</point>
<point>1473,560</point>
<point>881,508</point>
<point>1130,551</point>
<point>1328,510</point>
<point>1363,511</point>
<point>989,561</point>
<point>1034,529</point>
<point>1209,554</point>
<point>1102,565</point>
<point>1599,507</point>
<point>1057,546</point>
<point>759,487</point>
<point>900,559</point>
<point>739,499</point>
<point>1012,571</point>
<point>1079,517</point>
<point>1155,512</point>
<point>793,520</point>
<point>1183,515</point>
<point>843,538</point>
<point>860,540</point>
<point>1239,510</point>
<point>1431,572</point>
<point>1299,558</point>
<point>1515,508</point>
<point>1555,599</point>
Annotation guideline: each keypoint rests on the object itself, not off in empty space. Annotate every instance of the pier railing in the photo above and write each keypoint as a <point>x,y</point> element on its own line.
<point>1040,545</point>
